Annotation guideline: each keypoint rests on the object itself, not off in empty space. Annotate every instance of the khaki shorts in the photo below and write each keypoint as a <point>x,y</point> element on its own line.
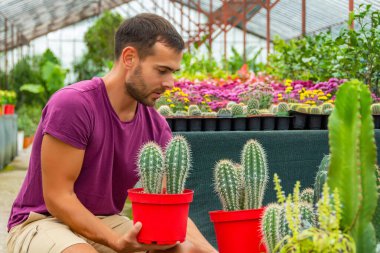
<point>46,234</point>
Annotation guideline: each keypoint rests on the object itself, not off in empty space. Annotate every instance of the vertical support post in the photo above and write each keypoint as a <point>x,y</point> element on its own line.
<point>303,18</point>
<point>268,28</point>
<point>6,55</point>
<point>351,9</point>
<point>210,23</point>
<point>13,46</point>
<point>245,31</point>
<point>225,28</point>
<point>181,17</point>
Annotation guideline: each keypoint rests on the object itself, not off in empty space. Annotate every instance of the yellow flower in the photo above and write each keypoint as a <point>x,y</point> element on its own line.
<point>186,100</point>
<point>322,98</point>
<point>169,100</point>
<point>172,105</point>
<point>288,82</point>
<point>279,95</point>
<point>186,107</point>
<point>328,95</point>
<point>203,103</point>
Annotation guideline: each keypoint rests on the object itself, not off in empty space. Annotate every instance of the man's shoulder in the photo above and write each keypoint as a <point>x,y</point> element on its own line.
<point>84,86</point>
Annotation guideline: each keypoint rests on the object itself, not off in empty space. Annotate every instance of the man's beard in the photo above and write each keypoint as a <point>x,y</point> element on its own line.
<point>138,89</point>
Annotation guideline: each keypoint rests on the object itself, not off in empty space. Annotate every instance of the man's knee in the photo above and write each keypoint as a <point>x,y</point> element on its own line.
<point>80,247</point>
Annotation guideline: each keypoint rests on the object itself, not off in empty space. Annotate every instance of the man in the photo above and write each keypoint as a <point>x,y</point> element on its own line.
<point>85,149</point>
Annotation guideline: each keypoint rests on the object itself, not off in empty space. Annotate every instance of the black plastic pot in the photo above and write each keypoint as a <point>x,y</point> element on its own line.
<point>376,120</point>
<point>224,124</point>
<point>179,124</point>
<point>282,123</point>
<point>253,123</point>
<point>210,124</point>
<point>239,124</point>
<point>314,122</point>
<point>299,120</point>
<point>194,124</point>
<point>325,122</point>
<point>268,123</point>
<point>170,123</point>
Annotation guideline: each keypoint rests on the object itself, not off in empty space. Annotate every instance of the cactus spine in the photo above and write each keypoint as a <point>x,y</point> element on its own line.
<point>195,112</point>
<point>307,196</point>
<point>270,226</point>
<point>177,164</point>
<point>321,178</point>
<point>282,109</point>
<point>151,167</point>
<point>253,104</point>
<point>315,110</point>
<point>255,174</point>
<point>353,162</point>
<point>224,113</point>
<point>227,185</point>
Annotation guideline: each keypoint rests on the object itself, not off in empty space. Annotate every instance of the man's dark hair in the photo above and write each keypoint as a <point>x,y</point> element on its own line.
<point>143,31</point>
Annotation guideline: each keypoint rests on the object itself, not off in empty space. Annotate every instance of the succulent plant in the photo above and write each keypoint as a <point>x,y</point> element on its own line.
<point>227,184</point>
<point>253,104</point>
<point>321,178</point>
<point>327,108</point>
<point>237,110</point>
<point>151,167</point>
<point>294,106</point>
<point>307,196</point>
<point>315,110</point>
<point>273,109</point>
<point>253,112</point>
<point>352,169</point>
<point>303,109</point>
<point>181,114</point>
<point>375,109</point>
<point>270,225</point>
<point>224,113</point>
<point>177,164</point>
<point>195,112</point>
<point>282,110</point>
<point>255,174</point>
<point>210,114</point>
<point>165,110</point>
<point>192,108</point>
<point>230,104</point>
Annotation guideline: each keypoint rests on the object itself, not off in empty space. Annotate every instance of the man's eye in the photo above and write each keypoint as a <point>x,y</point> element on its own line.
<point>162,72</point>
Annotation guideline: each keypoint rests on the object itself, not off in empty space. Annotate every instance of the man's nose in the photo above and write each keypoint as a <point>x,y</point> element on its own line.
<point>168,84</point>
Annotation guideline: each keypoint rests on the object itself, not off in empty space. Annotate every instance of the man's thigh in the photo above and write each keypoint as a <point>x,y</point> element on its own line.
<point>40,234</point>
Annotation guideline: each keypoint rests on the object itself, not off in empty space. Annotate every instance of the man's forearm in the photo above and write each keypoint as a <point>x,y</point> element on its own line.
<point>71,211</point>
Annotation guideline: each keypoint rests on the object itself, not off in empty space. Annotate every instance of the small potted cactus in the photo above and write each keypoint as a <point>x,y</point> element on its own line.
<point>241,190</point>
<point>180,121</point>
<point>282,116</point>
<point>195,118</point>
<point>156,203</point>
<point>239,118</point>
<point>326,109</point>
<point>315,118</point>
<point>253,118</point>
<point>375,110</point>
<point>209,121</point>
<point>300,117</point>
<point>165,111</point>
<point>224,119</point>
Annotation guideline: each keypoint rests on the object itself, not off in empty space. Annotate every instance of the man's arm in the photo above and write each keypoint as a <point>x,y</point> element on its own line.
<point>61,165</point>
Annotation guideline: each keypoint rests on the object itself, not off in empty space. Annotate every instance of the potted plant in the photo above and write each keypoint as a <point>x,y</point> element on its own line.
<point>180,121</point>
<point>253,120</point>
<point>300,117</point>
<point>282,116</point>
<point>195,118</point>
<point>241,190</point>
<point>239,118</point>
<point>268,119</point>
<point>165,111</point>
<point>155,203</point>
<point>224,119</point>
<point>326,109</point>
<point>375,110</point>
<point>9,101</point>
<point>315,118</point>
<point>210,121</point>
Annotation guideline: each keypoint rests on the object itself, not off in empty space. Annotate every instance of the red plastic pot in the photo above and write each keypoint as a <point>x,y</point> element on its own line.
<point>163,216</point>
<point>9,109</point>
<point>238,231</point>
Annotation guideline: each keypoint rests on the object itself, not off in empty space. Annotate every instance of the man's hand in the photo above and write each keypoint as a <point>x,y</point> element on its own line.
<point>128,243</point>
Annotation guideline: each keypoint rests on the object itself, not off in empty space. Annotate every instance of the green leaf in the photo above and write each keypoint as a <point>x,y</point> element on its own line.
<point>33,88</point>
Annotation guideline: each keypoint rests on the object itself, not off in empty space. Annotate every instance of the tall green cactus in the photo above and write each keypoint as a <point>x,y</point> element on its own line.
<point>321,178</point>
<point>270,226</point>
<point>376,216</point>
<point>177,164</point>
<point>151,167</point>
<point>255,174</point>
<point>227,184</point>
<point>353,160</point>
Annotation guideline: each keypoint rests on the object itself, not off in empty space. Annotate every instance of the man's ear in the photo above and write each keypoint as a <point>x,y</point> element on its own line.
<point>129,57</point>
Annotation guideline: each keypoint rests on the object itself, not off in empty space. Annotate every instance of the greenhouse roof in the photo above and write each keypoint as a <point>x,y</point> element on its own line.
<point>33,18</point>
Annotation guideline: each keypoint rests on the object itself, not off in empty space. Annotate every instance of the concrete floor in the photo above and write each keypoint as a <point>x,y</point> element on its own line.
<point>11,179</point>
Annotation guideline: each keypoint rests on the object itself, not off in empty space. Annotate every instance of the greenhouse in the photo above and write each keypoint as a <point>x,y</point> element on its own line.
<point>189,126</point>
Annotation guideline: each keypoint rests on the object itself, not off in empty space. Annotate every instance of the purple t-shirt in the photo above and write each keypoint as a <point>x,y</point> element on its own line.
<point>81,115</point>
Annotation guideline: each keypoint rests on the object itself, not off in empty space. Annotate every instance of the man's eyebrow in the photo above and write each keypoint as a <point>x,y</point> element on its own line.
<point>168,68</point>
